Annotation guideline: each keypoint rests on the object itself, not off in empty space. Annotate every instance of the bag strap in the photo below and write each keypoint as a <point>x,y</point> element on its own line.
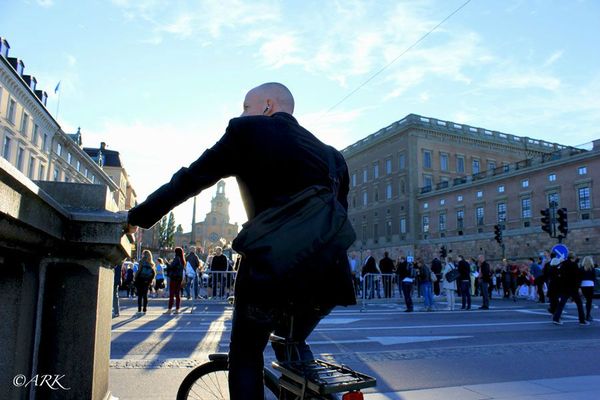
<point>333,178</point>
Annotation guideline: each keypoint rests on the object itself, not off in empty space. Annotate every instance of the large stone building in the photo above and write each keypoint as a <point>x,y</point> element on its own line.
<point>412,185</point>
<point>110,161</point>
<point>31,139</point>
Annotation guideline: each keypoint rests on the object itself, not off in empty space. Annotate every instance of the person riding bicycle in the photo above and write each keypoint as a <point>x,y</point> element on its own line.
<point>272,157</point>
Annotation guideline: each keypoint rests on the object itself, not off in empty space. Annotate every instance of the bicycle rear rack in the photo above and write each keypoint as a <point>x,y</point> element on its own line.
<point>323,377</point>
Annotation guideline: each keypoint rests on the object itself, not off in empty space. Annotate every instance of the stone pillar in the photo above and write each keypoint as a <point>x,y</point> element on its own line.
<point>56,280</point>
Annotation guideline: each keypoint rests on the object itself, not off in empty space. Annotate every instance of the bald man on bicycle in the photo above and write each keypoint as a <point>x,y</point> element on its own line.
<point>272,158</point>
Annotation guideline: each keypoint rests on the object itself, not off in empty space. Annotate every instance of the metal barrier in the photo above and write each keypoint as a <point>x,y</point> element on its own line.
<point>217,285</point>
<point>380,288</point>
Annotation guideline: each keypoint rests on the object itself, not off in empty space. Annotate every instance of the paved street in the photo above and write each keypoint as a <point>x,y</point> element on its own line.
<point>409,353</point>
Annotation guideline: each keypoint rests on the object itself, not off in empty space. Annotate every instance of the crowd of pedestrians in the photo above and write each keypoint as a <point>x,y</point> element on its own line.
<point>188,275</point>
<point>547,278</point>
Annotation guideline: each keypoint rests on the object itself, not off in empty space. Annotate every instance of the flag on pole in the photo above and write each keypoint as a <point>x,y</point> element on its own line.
<point>57,87</point>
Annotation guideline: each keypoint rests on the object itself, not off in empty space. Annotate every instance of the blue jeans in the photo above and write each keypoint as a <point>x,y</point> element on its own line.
<point>250,331</point>
<point>427,291</point>
<point>465,291</point>
<point>188,287</point>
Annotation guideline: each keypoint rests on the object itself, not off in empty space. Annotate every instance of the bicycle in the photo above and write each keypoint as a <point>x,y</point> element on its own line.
<point>314,380</point>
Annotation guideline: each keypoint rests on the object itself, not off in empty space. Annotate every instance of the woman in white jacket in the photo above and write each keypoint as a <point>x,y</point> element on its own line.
<point>449,287</point>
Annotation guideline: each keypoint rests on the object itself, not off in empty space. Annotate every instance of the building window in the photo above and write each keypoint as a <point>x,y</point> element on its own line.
<point>553,198</point>
<point>460,220</point>
<point>67,179</point>
<point>476,167</point>
<point>376,195</point>
<point>501,189</point>
<point>425,206</point>
<point>375,170</point>
<point>402,186</point>
<point>552,177</point>
<point>86,172</point>
<point>388,191</point>
<point>491,165</point>
<point>426,158</point>
<point>388,166</point>
<point>6,148</point>
<point>442,202</point>
<point>442,222</point>
<point>20,156</point>
<point>459,198</point>
<point>425,223</point>
<point>78,165</point>
<point>365,175</point>
<point>388,229</point>
<point>525,183</point>
<point>444,162</point>
<point>58,149</point>
<point>582,170</point>
<point>354,179</point>
<point>479,194</point>
<point>365,198</point>
<point>526,207</point>
<point>31,167</point>
<point>402,225</point>
<point>69,158</point>
<point>479,216</point>
<point>501,212</point>
<point>583,195</point>
<point>93,179</point>
<point>45,142</point>
<point>41,172</point>
<point>34,136</point>
<point>427,181</point>
<point>402,161</point>
<point>24,124</point>
<point>11,113</point>
<point>460,164</point>
<point>505,167</point>
<point>56,174</point>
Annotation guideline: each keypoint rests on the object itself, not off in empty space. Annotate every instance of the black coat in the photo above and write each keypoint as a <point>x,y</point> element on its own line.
<point>272,158</point>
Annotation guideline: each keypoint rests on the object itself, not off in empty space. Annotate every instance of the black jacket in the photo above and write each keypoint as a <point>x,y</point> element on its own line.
<point>370,266</point>
<point>386,265</point>
<point>465,270</point>
<point>272,158</point>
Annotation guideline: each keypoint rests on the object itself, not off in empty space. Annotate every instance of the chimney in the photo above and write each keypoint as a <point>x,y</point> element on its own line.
<point>31,81</point>
<point>4,47</point>
<point>42,95</point>
<point>17,65</point>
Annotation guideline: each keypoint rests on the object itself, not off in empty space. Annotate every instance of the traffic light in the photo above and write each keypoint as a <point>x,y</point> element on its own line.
<point>443,252</point>
<point>546,222</point>
<point>498,234</point>
<point>563,226</point>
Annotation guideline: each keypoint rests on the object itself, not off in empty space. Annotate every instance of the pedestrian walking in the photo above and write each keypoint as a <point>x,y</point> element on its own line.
<point>588,276</point>
<point>569,283</point>
<point>553,283</point>
<point>143,279</point>
<point>159,280</point>
<point>129,275</point>
<point>175,272</point>
<point>370,274</point>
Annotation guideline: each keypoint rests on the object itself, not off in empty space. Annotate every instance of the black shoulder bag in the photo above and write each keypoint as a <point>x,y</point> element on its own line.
<point>280,239</point>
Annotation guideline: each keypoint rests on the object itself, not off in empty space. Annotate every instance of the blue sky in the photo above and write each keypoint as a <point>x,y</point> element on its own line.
<point>158,80</point>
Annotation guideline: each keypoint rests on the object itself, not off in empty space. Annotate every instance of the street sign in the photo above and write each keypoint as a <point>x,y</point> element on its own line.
<point>561,250</point>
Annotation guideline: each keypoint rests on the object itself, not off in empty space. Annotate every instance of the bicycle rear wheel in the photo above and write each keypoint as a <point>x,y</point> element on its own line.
<point>210,381</point>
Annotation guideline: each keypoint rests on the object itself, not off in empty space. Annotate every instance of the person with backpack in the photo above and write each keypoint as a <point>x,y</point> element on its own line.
<point>449,286</point>
<point>143,279</point>
<point>175,273</point>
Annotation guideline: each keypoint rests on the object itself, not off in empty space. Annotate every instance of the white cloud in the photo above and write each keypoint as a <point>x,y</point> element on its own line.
<point>553,58</point>
<point>46,3</point>
<point>335,127</point>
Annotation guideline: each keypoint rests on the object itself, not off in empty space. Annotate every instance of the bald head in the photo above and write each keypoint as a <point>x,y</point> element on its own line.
<point>267,99</point>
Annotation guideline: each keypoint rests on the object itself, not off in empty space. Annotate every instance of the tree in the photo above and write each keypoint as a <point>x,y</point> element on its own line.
<point>170,231</point>
<point>162,232</point>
